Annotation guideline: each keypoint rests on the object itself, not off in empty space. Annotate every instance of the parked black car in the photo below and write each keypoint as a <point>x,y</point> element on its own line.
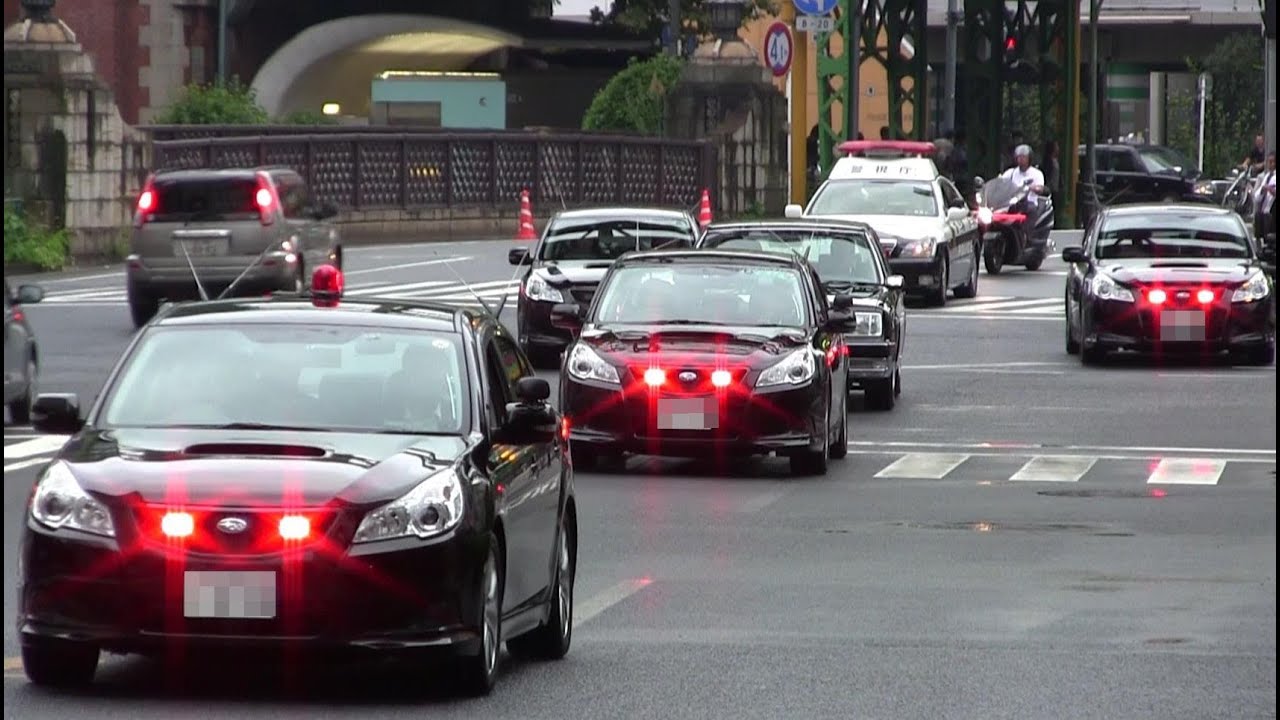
<point>21,352</point>
<point>847,257</point>
<point>708,353</point>
<point>566,265</point>
<point>1130,174</point>
<point>304,472</point>
<point>1170,280</point>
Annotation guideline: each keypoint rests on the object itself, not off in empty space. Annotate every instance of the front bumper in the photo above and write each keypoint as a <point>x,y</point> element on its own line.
<point>779,421</point>
<point>171,278</point>
<point>1144,328</point>
<point>406,595</point>
<point>920,275</point>
<point>870,360</point>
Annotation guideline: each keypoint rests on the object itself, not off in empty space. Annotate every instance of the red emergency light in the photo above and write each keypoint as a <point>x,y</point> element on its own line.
<point>326,286</point>
<point>887,148</point>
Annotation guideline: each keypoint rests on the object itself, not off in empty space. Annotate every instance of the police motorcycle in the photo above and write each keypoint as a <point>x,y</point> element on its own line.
<point>1014,232</point>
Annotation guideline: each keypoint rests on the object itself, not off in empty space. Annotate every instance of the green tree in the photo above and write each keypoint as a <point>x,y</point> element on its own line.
<point>1233,110</point>
<point>634,100</point>
<point>308,117</point>
<point>218,103</point>
<point>649,16</point>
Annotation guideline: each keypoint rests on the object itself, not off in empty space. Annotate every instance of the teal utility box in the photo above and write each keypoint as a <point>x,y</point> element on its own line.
<point>440,99</point>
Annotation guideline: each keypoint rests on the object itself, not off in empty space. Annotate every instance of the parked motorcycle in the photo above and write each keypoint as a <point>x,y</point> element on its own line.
<point>1013,231</point>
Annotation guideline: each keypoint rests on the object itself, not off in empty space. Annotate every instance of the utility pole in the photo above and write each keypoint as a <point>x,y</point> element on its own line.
<point>799,106</point>
<point>1269,73</point>
<point>673,11</point>
<point>222,41</point>
<point>1094,7</point>
<point>853,53</point>
<point>953,23</point>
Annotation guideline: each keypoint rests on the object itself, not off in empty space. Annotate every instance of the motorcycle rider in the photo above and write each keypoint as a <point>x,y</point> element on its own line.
<point>1024,174</point>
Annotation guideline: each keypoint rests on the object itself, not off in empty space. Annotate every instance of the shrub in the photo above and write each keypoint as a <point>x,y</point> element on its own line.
<point>634,100</point>
<point>308,117</point>
<point>28,243</point>
<point>219,103</point>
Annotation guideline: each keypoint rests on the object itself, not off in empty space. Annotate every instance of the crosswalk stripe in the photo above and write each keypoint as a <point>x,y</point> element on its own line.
<point>1042,310</point>
<point>38,446</point>
<point>400,289</point>
<point>21,464</point>
<point>926,466</point>
<point>1187,471</point>
<point>1054,468</point>
<point>1004,305</point>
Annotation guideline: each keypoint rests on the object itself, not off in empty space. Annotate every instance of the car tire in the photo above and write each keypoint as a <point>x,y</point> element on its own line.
<point>881,395</point>
<point>551,640</point>
<point>1093,355</point>
<point>142,306</point>
<point>810,461</point>
<point>897,383</point>
<point>938,298</point>
<point>1034,263</point>
<point>840,447</point>
<point>970,288</point>
<point>477,674</point>
<point>20,409</point>
<point>1262,355</point>
<point>59,663</point>
<point>1073,345</point>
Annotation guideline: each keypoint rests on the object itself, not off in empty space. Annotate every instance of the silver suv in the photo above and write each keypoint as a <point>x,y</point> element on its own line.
<point>257,228</point>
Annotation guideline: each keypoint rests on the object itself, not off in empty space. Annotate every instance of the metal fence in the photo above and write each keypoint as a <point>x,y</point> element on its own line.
<point>372,170</point>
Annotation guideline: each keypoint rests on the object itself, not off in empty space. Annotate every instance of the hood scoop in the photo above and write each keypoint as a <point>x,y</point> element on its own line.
<point>1179,264</point>
<point>242,449</point>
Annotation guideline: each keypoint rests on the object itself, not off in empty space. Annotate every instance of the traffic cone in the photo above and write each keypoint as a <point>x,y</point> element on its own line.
<point>704,211</point>
<point>526,231</point>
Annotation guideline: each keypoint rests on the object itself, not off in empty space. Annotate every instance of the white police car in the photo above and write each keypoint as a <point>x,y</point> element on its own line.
<point>927,231</point>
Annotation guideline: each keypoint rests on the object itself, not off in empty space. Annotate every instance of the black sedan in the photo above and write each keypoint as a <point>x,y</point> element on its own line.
<point>708,353</point>
<point>1170,280</point>
<point>21,354</point>
<point>847,256</point>
<point>576,249</point>
<point>304,473</point>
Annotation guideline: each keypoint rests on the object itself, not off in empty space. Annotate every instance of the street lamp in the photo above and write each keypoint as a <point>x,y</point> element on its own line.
<point>725,17</point>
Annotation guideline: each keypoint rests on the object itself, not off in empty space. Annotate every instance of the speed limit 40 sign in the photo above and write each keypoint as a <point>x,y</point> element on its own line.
<point>778,49</point>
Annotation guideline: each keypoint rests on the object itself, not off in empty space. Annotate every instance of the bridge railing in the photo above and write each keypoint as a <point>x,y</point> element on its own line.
<point>376,170</point>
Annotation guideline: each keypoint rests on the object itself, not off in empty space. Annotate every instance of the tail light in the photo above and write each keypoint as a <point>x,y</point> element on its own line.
<point>147,203</point>
<point>1157,296</point>
<point>266,199</point>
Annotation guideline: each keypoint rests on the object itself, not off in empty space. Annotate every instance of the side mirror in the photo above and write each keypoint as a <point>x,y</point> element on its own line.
<point>957,213</point>
<point>793,211</point>
<point>566,316</point>
<point>519,256</point>
<point>57,414</point>
<point>842,303</point>
<point>28,294</point>
<point>895,281</point>
<point>325,210</point>
<point>532,390</point>
<point>1073,255</point>
<point>530,422</point>
<point>978,182</point>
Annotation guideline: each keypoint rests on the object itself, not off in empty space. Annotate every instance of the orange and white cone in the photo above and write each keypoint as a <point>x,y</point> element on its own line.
<point>704,210</point>
<point>526,231</point>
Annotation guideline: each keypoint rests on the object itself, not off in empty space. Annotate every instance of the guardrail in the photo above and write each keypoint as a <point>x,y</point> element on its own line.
<point>376,170</point>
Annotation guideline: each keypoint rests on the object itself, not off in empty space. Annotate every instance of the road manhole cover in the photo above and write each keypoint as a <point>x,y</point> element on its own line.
<point>1100,493</point>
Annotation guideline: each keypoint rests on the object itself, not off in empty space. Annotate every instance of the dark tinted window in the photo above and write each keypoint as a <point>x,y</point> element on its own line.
<point>712,294</point>
<point>837,256</point>
<point>1172,235</point>
<point>213,198</point>
<point>1164,160</point>
<point>608,239</point>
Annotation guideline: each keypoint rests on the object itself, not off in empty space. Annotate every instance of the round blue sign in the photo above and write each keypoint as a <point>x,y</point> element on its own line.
<point>815,7</point>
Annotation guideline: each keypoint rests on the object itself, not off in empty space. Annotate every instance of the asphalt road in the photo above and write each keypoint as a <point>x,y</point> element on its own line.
<point>1021,537</point>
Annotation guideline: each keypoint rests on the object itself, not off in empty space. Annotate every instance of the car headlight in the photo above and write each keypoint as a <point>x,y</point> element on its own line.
<point>920,248</point>
<point>586,364</point>
<point>1254,289</point>
<point>1104,288</point>
<point>538,289</point>
<point>60,502</point>
<point>867,324</point>
<point>795,369</point>
<point>431,508</point>
<point>985,216</point>
<point>1203,188</point>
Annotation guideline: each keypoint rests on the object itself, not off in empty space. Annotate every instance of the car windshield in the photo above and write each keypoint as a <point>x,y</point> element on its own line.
<point>311,377</point>
<point>206,198</point>
<point>609,238</point>
<point>837,256</point>
<point>1163,160</point>
<point>714,294</point>
<point>1173,236</point>
<point>875,197</point>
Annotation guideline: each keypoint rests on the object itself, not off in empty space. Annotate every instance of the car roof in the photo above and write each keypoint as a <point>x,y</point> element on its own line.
<point>1166,208</point>
<point>626,213</point>
<point>703,256</point>
<point>808,222</point>
<point>206,173</point>
<point>882,168</point>
<point>290,309</point>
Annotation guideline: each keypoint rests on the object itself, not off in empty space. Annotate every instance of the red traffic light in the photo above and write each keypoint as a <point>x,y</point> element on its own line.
<point>1010,44</point>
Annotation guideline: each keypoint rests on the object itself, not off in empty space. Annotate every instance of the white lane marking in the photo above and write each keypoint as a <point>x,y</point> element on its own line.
<point>1187,471</point>
<point>587,610</point>
<point>1096,456</point>
<point>455,287</point>
<point>405,266</point>
<point>42,445</point>
<point>1054,468</point>
<point>929,466</point>
<point>80,278</point>
<point>992,366</point>
<point>85,303</point>
<point>399,289</point>
<point>933,316</point>
<point>1047,310</point>
<point>84,294</point>
<point>1057,448</point>
<point>21,464</point>
<point>1010,304</point>
<point>761,501</point>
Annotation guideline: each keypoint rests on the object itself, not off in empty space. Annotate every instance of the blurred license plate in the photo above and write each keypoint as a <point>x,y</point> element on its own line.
<point>688,414</point>
<point>1182,326</point>
<point>234,594</point>
<point>203,248</point>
